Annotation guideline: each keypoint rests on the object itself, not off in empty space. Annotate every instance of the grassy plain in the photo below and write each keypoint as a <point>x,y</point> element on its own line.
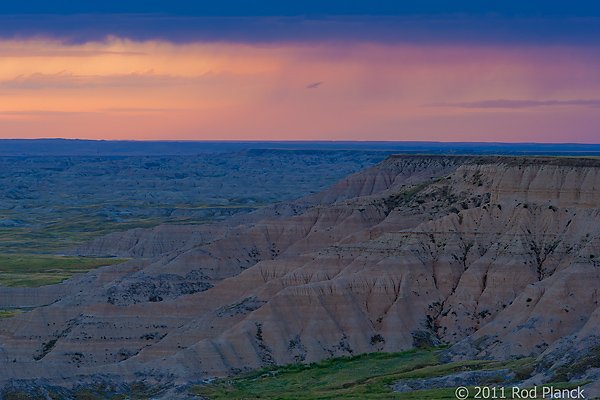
<point>34,270</point>
<point>49,204</point>
<point>366,376</point>
<point>30,248</point>
<point>61,228</point>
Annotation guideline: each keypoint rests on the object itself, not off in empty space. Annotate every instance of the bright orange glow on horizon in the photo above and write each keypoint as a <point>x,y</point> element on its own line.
<point>354,91</point>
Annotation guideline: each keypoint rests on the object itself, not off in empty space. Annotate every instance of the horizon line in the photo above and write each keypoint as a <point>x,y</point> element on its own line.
<point>296,141</point>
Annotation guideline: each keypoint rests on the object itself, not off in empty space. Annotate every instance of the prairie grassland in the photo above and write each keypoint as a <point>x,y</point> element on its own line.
<point>34,270</point>
<point>366,376</point>
<point>9,312</point>
<point>63,228</point>
<point>30,250</point>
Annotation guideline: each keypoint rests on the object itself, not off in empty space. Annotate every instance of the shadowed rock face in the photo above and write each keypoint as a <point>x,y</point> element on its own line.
<point>496,255</point>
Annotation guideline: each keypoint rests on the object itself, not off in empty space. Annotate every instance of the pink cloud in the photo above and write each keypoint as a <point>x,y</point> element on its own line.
<point>35,52</point>
<point>372,91</point>
<point>517,104</point>
<point>66,80</point>
<point>38,113</point>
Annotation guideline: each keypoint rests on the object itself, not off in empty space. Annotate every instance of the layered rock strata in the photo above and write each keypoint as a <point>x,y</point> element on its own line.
<point>496,255</point>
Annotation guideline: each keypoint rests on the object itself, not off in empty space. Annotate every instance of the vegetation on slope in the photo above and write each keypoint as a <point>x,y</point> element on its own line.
<point>34,270</point>
<point>50,204</point>
<point>366,376</point>
<point>60,229</point>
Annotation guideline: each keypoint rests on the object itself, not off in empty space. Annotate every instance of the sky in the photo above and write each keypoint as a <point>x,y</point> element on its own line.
<point>525,71</point>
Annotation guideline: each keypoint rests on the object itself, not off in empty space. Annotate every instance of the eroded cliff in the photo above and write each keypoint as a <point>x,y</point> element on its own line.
<point>496,255</point>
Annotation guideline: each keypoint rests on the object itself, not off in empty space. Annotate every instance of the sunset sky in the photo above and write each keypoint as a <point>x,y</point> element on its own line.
<point>270,71</point>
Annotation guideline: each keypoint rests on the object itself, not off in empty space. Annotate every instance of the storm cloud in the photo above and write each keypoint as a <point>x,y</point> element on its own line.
<point>486,29</point>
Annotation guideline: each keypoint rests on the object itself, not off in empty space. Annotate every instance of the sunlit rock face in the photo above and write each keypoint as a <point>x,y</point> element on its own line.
<point>496,255</point>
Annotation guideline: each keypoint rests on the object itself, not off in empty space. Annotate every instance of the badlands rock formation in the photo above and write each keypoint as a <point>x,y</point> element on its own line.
<point>53,203</point>
<point>496,255</point>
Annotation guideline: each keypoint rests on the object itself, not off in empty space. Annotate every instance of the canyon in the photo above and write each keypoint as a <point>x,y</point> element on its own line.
<point>498,256</point>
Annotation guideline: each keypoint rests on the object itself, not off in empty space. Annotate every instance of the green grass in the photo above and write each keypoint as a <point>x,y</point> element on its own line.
<point>367,376</point>
<point>9,312</point>
<point>59,227</point>
<point>33,235</point>
<point>34,270</point>
<point>30,244</point>
<point>55,235</point>
<point>28,251</point>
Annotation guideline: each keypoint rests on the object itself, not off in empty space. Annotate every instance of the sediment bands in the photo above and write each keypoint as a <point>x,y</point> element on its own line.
<point>495,255</point>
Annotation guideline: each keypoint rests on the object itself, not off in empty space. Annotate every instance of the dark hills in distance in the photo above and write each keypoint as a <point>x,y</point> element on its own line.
<point>77,147</point>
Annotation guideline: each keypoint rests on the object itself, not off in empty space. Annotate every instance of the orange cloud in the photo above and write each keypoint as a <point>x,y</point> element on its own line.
<point>121,89</point>
<point>65,80</point>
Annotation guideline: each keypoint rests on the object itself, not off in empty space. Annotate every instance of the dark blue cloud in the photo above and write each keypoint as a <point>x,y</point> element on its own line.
<point>470,29</point>
<point>507,21</point>
<point>238,8</point>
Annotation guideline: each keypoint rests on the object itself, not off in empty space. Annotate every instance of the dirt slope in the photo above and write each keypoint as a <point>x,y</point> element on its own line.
<point>497,255</point>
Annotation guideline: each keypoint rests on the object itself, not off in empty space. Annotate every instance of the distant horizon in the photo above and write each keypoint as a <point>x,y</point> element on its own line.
<point>87,147</point>
<point>298,141</point>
